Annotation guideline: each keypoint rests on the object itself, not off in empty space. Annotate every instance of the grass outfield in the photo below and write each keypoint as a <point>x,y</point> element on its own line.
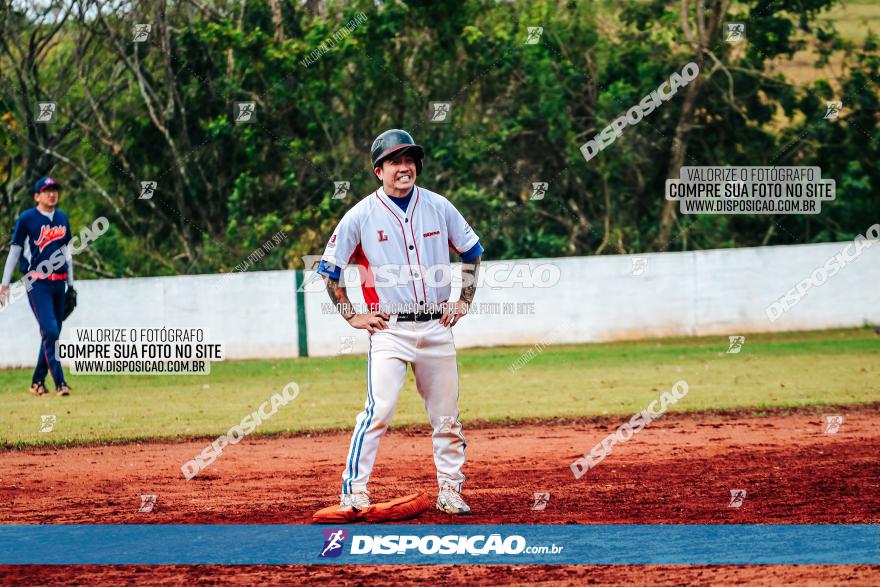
<point>772,370</point>
<point>854,18</point>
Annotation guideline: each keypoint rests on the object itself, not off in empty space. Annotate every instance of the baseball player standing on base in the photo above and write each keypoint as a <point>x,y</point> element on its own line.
<point>408,230</point>
<point>39,233</point>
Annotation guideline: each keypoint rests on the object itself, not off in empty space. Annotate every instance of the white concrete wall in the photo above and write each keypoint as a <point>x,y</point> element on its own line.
<point>720,292</point>
<point>252,314</point>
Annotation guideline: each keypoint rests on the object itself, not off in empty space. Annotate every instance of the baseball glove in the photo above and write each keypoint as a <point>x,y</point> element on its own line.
<point>69,302</point>
<point>402,508</point>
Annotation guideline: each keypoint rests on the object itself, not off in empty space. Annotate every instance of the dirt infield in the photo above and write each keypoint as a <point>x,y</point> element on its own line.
<point>857,576</point>
<point>678,470</point>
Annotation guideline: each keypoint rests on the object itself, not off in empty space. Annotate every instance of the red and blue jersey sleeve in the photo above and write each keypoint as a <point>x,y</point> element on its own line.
<point>341,246</point>
<point>462,237</point>
<point>472,253</point>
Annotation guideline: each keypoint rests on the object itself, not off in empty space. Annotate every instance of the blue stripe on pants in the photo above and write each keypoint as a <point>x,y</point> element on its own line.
<point>371,409</point>
<point>360,430</point>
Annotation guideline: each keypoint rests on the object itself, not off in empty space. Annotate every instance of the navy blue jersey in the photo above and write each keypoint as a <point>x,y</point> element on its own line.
<point>40,237</point>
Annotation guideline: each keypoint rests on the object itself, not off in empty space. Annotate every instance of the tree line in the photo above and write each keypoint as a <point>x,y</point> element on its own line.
<point>528,83</point>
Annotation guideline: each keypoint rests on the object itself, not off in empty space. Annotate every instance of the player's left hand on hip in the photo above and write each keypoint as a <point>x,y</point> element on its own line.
<point>453,313</point>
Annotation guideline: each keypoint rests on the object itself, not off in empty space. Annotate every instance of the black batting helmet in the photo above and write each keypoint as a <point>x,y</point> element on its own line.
<point>395,142</point>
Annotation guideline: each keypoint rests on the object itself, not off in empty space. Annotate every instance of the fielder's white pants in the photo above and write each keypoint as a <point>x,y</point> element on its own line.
<point>430,348</point>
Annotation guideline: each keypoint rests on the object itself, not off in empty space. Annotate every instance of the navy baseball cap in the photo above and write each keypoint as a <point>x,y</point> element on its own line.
<point>46,183</point>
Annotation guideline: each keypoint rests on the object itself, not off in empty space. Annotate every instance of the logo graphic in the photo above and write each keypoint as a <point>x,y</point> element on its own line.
<point>346,344</point>
<point>440,111</point>
<point>46,111</point>
<point>333,541</point>
<point>244,112</point>
<point>833,422</point>
<point>47,423</point>
<point>737,497</point>
<point>340,189</point>
<point>736,344</point>
<point>140,32</point>
<point>539,188</point>
<point>477,545</point>
<point>833,110</point>
<point>736,32</point>
<point>147,503</point>
<point>49,234</point>
<point>148,188</point>
<point>639,265</point>
<point>432,233</point>
<point>541,501</point>
<point>635,114</point>
<point>382,236</point>
<point>310,270</point>
<point>446,424</point>
<point>535,33</point>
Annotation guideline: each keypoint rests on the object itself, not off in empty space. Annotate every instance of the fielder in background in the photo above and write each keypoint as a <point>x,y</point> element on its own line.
<point>40,232</point>
<point>404,228</point>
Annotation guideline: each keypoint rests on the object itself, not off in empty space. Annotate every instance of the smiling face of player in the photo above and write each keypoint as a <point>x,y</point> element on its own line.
<point>46,199</point>
<point>398,175</point>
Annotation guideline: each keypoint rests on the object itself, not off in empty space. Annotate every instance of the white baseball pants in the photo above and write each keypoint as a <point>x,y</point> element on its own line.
<point>430,348</point>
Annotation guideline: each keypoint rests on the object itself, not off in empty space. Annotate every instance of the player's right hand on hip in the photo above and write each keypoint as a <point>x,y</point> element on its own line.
<point>4,293</point>
<point>371,321</point>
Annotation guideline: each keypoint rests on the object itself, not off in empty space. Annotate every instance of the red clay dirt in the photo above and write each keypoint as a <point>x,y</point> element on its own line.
<point>680,469</point>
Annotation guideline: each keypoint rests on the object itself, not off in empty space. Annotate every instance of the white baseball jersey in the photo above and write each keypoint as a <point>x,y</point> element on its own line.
<point>403,260</point>
<point>403,257</point>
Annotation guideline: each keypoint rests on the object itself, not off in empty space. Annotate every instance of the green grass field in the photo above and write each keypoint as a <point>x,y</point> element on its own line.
<point>854,18</point>
<point>773,370</point>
